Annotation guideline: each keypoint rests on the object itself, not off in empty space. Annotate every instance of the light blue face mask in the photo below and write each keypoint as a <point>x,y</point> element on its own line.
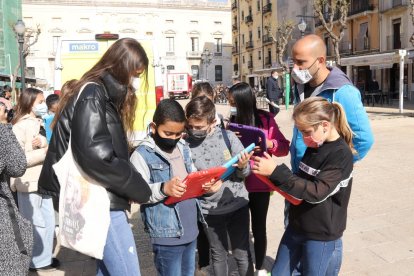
<point>233,110</point>
<point>40,110</point>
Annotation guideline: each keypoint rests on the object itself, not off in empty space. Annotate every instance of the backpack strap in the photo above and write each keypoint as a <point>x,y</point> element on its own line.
<point>226,139</point>
<point>222,126</point>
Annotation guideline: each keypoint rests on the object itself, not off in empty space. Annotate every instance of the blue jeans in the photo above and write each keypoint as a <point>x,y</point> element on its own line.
<point>308,257</point>
<point>38,209</point>
<point>120,253</point>
<point>175,260</point>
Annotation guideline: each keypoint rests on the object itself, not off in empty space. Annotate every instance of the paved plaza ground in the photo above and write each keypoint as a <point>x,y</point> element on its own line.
<point>379,239</point>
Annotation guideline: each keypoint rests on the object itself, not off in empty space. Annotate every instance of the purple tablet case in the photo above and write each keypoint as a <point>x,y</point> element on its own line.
<point>250,134</point>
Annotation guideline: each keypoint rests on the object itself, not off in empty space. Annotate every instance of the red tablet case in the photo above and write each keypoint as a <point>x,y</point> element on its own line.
<point>288,197</point>
<point>195,181</point>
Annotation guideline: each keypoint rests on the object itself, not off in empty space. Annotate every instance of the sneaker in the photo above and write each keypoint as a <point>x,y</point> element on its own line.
<point>204,271</point>
<point>52,267</point>
<point>261,272</point>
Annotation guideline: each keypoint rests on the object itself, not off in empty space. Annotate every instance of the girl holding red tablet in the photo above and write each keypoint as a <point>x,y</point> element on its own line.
<point>241,98</point>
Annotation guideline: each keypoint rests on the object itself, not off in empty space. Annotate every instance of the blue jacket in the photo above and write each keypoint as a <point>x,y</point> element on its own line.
<point>160,220</point>
<point>339,88</point>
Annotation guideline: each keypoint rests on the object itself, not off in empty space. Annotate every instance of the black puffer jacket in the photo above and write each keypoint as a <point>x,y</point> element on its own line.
<point>99,145</point>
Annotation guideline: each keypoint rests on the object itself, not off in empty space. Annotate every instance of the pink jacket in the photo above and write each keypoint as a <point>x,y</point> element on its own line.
<point>280,148</point>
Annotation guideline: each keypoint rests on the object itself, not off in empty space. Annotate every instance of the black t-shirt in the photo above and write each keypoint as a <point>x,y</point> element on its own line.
<point>324,182</point>
<point>309,89</point>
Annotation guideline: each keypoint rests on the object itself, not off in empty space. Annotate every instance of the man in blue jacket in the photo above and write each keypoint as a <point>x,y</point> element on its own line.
<point>314,78</point>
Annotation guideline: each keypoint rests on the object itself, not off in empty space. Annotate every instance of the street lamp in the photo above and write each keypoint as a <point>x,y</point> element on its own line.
<point>302,26</point>
<point>206,58</point>
<point>20,29</point>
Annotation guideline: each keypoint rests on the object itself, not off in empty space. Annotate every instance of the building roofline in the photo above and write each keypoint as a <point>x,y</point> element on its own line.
<point>190,5</point>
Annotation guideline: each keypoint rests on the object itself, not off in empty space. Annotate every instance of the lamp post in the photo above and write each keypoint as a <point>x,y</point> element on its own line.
<point>302,27</point>
<point>20,29</point>
<point>206,58</point>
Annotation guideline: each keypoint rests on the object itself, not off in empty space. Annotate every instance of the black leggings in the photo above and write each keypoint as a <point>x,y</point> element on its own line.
<point>203,247</point>
<point>259,205</point>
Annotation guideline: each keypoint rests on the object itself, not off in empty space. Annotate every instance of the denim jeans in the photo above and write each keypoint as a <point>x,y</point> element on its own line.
<point>38,209</point>
<point>175,260</point>
<point>310,257</point>
<point>120,253</point>
<point>236,226</point>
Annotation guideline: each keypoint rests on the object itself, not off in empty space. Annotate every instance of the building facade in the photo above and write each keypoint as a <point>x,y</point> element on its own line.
<point>396,28</point>
<point>254,24</point>
<point>10,12</point>
<point>376,31</point>
<point>190,36</point>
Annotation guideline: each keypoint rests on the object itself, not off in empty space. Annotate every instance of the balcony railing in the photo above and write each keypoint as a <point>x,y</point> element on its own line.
<point>395,42</point>
<point>194,54</point>
<point>345,47</point>
<point>234,5</point>
<point>248,19</point>
<point>326,16</point>
<point>267,61</point>
<point>249,45</point>
<point>396,3</point>
<point>392,4</point>
<point>267,8</point>
<point>358,6</point>
<point>250,64</point>
<point>236,67</point>
<point>362,44</point>
<point>267,39</point>
<point>234,27</point>
<point>234,50</point>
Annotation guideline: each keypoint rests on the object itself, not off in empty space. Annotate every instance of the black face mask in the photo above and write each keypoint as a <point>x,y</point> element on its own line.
<point>198,134</point>
<point>166,144</point>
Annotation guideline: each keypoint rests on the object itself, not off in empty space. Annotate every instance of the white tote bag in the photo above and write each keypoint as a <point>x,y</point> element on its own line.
<point>84,207</point>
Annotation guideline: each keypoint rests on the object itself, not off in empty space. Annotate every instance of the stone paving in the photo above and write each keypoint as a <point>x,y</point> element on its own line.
<point>379,239</point>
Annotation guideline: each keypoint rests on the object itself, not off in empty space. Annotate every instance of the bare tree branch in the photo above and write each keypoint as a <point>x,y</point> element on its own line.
<point>281,38</point>
<point>337,10</point>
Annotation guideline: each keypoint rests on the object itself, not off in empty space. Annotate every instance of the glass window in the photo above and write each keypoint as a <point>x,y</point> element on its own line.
<point>55,45</point>
<point>195,71</point>
<point>194,44</point>
<point>219,72</point>
<point>170,44</point>
<point>218,45</point>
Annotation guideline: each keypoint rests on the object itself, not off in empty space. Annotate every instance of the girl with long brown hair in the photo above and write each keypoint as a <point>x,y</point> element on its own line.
<point>35,207</point>
<point>313,236</point>
<point>98,126</point>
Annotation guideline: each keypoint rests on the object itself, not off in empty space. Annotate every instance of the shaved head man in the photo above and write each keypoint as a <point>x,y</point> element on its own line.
<point>309,53</point>
<point>313,78</point>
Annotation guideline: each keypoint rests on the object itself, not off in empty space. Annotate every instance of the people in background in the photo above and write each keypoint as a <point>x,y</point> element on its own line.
<point>37,208</point>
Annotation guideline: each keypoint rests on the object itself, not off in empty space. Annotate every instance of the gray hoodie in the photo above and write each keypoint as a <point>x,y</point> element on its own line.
<point>213,152</point>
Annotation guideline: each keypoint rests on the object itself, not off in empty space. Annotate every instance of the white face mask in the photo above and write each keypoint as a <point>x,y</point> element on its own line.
<point>136,83</point>
<point>40,110</point>
<point>302,76</point>
<point>233,110</point>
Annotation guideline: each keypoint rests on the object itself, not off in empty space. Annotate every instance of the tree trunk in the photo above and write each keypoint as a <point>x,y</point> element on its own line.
<point>337,55</point>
